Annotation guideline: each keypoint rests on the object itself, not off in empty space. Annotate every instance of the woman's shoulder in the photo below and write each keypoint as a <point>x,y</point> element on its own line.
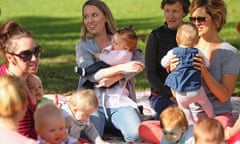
<point>159,29</point>
<point>227,46</point>
<point>86,46</point>
<point>163,32</point>
<point>18,138</point>
<point>228,51</point>
<point>85,42</point>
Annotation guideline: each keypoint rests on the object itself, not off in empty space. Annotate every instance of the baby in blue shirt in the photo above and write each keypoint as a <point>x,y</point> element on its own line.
<point>185,81</point>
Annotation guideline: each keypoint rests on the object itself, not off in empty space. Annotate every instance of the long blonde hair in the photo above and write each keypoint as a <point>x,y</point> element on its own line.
<point>110,24</point>
<point>13,96</point>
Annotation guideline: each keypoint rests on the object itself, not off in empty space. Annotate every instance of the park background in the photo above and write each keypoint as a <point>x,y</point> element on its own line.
<point>56,26</point>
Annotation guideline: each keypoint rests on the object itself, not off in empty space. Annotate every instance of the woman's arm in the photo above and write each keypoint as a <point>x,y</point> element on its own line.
<point>154,71</point>
<point>84,53</point>
<point>107,77</point>
<point>222,90</point>
<point>107,82</point>
<point>130,67</point>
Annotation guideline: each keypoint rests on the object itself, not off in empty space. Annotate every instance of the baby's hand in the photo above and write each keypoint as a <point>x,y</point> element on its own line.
<point>96,55</point>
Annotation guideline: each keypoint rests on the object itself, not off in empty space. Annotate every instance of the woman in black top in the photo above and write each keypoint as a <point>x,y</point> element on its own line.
<point>160,41</point>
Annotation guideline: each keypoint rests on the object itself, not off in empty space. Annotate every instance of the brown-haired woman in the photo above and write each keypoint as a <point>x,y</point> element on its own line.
<point>160,41</point>
<point>220,79</point>
<point>21,54</point>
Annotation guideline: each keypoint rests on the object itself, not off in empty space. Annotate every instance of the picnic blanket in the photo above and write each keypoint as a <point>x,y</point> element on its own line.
<point>142,99</point>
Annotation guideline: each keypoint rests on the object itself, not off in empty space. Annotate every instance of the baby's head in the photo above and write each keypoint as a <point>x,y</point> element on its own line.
<point>50,123</point>
<point>13,98</point>
<point>187,35</point>
<point>35,87</point>
<point>83,103</point>
<point>125,39</point>
<point>208,131</point>
<point>173,123</point>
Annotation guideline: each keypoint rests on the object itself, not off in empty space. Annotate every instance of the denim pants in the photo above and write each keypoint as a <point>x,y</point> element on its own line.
<point>126,119</point>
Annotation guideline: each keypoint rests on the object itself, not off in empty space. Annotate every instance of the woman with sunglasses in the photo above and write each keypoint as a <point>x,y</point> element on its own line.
<point>21,55</point>
<point>98,27</point>
<point>220,79</point>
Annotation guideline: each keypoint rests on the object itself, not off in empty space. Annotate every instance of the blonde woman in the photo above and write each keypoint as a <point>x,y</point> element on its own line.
<point>97,31</point>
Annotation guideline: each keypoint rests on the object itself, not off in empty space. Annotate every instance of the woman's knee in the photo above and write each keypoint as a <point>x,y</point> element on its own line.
<point>131,135</point>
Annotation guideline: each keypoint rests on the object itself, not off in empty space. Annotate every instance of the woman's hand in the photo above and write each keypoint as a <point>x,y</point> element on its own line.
<point>199,63</point>
<point>129,67</point>
<point>107,82</point>
<point>173,63</point>
<point>133,66</point>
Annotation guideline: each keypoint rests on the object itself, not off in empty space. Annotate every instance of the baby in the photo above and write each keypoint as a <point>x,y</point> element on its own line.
<point>208,131</point>
<point>121,51</point>
<point>35,87</point>
<point>175,127</point>
<point>185,81</point>
<point>80,106</point>
<point>50,125</point>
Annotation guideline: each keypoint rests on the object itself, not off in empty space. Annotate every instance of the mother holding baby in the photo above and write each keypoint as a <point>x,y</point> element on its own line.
<point>98,27</point>
<point>220,79</point>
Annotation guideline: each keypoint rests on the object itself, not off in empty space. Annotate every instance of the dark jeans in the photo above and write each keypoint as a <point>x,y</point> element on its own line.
<point>159,103</point>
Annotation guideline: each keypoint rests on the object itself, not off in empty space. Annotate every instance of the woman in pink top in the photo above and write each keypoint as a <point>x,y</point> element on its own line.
<point>21,55</point>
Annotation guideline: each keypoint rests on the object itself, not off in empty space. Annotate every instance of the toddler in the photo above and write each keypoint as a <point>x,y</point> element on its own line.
<point>185,81</point>
<point>175,127</point>
<point>208,131</point>
<point>80,106</point>
<point>50,125</point>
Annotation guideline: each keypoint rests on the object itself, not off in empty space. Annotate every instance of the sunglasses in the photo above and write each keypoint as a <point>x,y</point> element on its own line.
<point>200,20</point>
<point>27,54</point>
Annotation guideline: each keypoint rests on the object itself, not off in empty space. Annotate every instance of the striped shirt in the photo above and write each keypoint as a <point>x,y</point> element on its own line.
<point>26,125</point>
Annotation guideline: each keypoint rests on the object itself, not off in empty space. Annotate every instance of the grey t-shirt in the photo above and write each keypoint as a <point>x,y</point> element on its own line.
<point>225,61</point>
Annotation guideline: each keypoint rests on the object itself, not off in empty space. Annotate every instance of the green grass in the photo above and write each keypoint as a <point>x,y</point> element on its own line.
<point>56,25</point>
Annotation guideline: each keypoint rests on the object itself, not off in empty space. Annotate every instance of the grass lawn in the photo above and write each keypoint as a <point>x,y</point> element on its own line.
<point>56,25</point>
